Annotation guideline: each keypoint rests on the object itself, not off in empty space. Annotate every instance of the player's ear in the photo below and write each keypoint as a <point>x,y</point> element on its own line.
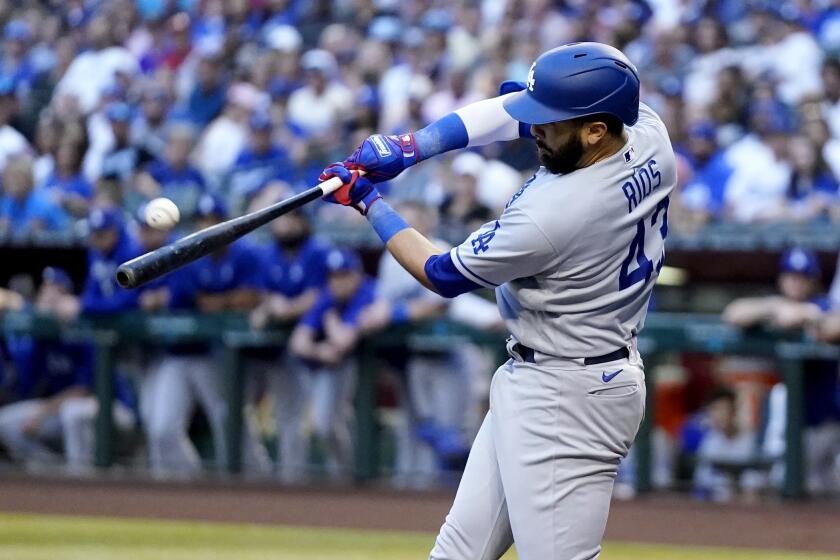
<point>594,132</point>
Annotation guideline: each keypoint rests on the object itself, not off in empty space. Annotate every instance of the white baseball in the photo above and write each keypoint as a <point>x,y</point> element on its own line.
<point>161,213</point>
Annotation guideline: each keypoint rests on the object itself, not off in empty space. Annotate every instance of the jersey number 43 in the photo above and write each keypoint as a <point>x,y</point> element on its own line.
<point>644,269</point>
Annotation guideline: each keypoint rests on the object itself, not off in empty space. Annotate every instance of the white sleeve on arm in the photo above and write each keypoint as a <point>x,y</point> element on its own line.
<point>511,247</point>
<point>487,121</point>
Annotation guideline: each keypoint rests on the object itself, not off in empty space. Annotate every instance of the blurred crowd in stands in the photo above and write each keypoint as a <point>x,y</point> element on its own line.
<point>121,101</point>
<point>225,106</point>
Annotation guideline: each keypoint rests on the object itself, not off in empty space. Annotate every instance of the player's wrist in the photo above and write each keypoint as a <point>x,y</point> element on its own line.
<point>364,204</point>
<point>384,219</point>
<point>412,154</point>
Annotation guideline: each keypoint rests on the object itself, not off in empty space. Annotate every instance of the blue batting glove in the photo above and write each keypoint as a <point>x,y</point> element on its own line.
<point>384,157</point>
<point>357,191</point>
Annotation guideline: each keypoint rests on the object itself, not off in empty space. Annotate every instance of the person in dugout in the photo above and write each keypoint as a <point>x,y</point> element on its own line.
<point>323,343</point>
<point>295,273</point>
<point>56,409</point>
<point>227,280</point>
<point>800,303</point>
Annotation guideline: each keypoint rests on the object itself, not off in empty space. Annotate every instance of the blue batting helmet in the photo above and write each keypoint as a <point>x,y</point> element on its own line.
<point>577,80</point>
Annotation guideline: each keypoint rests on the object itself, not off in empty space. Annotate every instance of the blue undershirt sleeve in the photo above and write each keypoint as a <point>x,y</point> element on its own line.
<point>447,280</point>
<point>443,135</point>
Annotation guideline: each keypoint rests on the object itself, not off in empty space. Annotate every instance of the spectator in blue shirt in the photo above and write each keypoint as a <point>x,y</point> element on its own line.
<point>188,373</point>
<point>148,130</point>
<point>66,185</point>
<point>703,194</point>
<point>229,279</point>
<point>208,96</point>
<point>110,245</point>
<point>124,158</point>
<point>260,163</point>
<point>328,332</point>
<point>23,209</point>
<point>15,62</point>
<point>176,375</point>
<point>800,301</point>
<point>173,176</point>
<point>155,295</point>
<point>323,341</point>
<point>812,189</point>
<point>294,270</point>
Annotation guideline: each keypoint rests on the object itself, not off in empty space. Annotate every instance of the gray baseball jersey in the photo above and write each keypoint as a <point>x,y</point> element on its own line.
<point>573,258</point>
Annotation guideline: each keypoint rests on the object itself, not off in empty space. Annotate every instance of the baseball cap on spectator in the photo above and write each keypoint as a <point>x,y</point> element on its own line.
<point>780,123</point>
<point>790,13</point>
<point>208,47</point>
<point>78,18</point>
<point>468,163</point>
<point>101,219</point>
<point>7,85</point>
<point>284,38</point>
<point>829,32</point>
<point>438,21</point>
<point>343,260</point>
<point>386,5</point>
<point>800,261</point>
<point>671,86</point>
<point>414,38</point>
<point>281,87</point>
<point>319,60</point>
<point>260,121</point>
<point>772,117</point>
<point>387,29</point>
<point>704,130</point>
<point>17,30</point>
<point>210,205</point>
<point>118,111</point>
<point>57,276</point>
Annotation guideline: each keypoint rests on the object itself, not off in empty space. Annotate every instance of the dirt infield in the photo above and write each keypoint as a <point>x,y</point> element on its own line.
<point>670,520</point>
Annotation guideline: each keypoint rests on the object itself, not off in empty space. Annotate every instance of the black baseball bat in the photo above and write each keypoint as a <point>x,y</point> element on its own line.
<point>164,260</point>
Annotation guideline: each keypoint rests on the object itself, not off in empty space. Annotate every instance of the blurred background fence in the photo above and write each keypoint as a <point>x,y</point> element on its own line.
<point>666,335</point>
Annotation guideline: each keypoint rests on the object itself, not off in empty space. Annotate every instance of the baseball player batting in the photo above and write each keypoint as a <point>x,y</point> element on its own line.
<point>573,259</point>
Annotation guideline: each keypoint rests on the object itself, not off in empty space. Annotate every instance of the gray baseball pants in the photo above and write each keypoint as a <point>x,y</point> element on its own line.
<point>542,467</point>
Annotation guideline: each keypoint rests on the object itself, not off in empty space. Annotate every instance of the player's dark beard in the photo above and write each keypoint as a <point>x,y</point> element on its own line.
<point>564,159</point>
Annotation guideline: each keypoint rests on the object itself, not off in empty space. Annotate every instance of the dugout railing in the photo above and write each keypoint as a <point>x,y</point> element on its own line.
<point>664,334</point>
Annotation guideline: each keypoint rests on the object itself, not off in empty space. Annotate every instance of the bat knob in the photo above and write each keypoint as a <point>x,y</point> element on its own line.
<point>125,277</point>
